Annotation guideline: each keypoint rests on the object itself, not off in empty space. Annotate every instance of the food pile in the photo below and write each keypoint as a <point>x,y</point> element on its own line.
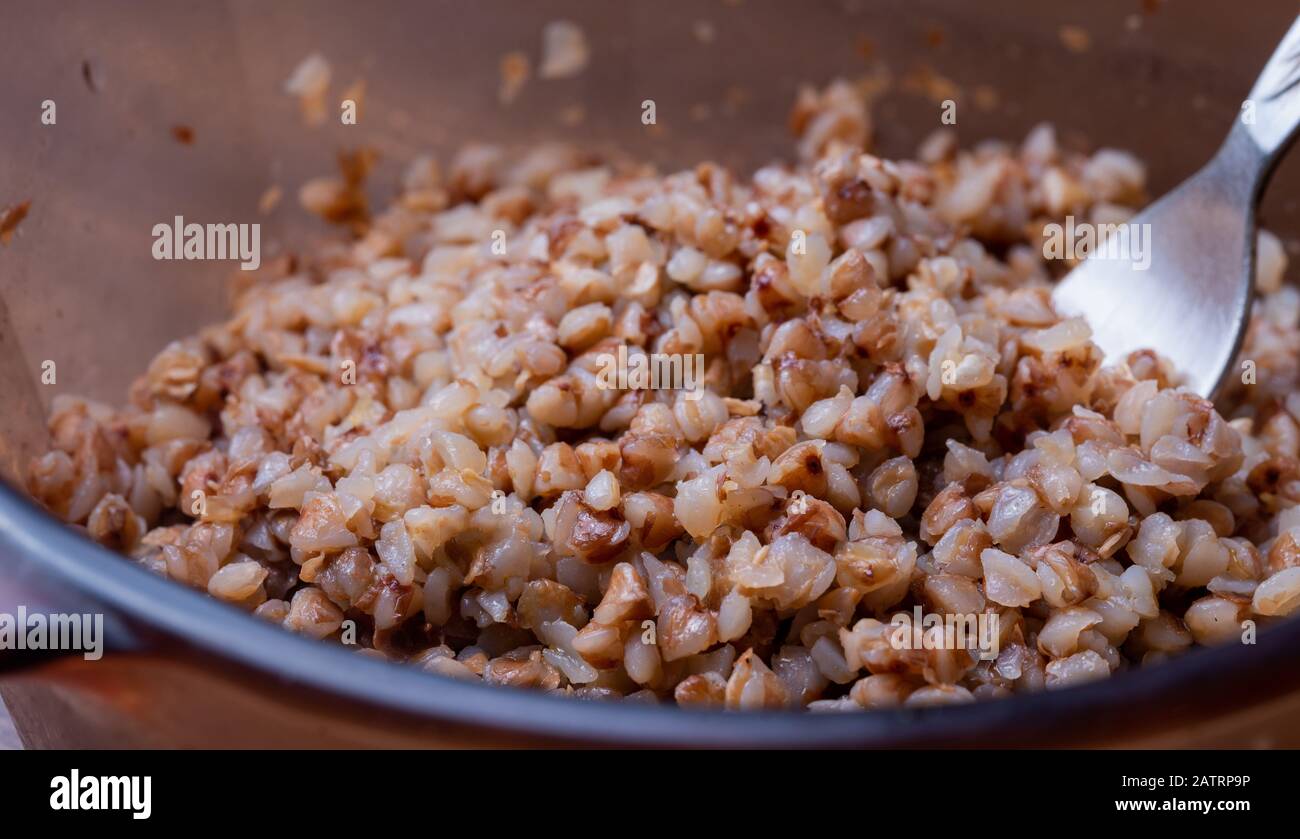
<point>400,440</point>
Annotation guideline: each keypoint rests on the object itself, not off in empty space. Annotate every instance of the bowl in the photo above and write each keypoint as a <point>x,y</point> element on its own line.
<point>164,109</point>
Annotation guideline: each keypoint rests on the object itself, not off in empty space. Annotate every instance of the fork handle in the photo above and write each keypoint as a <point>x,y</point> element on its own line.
<point>1271,114</point>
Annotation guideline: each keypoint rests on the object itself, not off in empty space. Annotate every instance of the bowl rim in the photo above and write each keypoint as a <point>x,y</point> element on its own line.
<point>1145,700</point>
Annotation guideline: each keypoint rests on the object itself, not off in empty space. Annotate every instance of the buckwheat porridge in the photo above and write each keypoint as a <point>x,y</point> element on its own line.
<point>404,440</point>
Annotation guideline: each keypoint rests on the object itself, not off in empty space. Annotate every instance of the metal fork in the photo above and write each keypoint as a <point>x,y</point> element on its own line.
<point>1191,303</point>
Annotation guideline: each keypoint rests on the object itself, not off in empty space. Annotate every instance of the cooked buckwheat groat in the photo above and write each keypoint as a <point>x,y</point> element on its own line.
<point>402,439</point>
